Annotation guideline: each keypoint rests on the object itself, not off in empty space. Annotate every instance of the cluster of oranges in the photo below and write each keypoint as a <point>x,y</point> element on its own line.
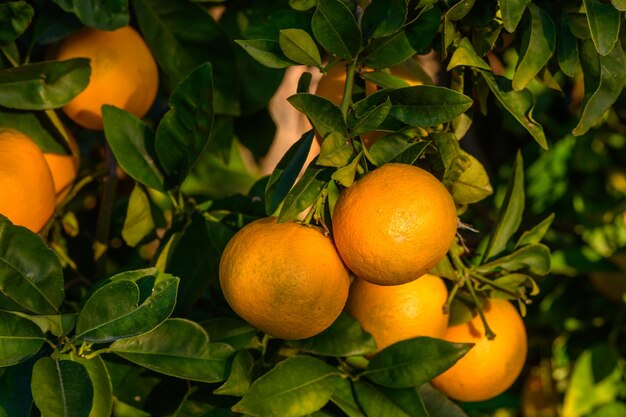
<point>389,229</point>
<point>123,73</point>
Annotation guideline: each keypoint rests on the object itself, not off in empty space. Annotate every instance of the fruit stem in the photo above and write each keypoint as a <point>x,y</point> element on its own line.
<point>446,307</point>
<point>488,332</point>
<point>498,287</point>
<point>347,92</point>
<point>104,214</point>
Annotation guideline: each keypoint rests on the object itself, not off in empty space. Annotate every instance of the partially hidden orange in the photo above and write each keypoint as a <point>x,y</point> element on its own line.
<point>63,169</point>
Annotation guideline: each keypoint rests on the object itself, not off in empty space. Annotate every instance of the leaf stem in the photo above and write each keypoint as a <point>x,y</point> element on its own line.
<point>97,353</point>
<point>455,289</point>
<point>347,92</point>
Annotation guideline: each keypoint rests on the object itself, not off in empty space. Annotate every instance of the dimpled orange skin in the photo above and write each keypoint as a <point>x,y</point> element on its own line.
<point>394,224</point>
<point>285,279</point>
<point>63,169</point>
<point>491,366</point>
<point>399,312</point>
<point>26,188</point>
<point>123,73</point>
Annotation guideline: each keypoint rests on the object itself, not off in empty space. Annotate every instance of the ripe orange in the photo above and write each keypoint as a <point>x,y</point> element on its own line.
<point>26,187</point>
<point>285,279</point>
<point>491,366</point>
<point>394,224</point>
<point>332,84</point>
<point>399,312</point>
<point>123,73</point>
<point>63,169</point>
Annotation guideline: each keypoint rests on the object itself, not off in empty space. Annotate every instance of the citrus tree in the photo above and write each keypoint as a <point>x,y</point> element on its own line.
<point>147,267</point>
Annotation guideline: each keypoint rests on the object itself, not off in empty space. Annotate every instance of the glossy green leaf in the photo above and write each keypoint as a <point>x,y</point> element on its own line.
<point>240,375</point>
<point>132,144</point>
<point>295,387</point>
<point>459,10</point>
<point>286,172</point>
<point>381,402</point>
<point>178,348</point>
<point>62,388</point>
<point>324,115</point>
<point>512,12</point>
<point>43,85</point>
<point>138,223</point>
<point>298,46</point>
<point>421,32</point>
<point>101,381</point>
<point>604,22</point>
<point>437,404</point>
<point>536,234</point>
<point>344,337</point>
<point>235,332</point>
<point>116,310</point>
<point>567,48</point>
<point>533,258</point>
<point>473,184</point>
<point>413,362</point>
<point>538,46</point>
<point>32,124</point>
<point>335,29</point>
<point>391,147</point>
<point>185,130</point>
<point>465,55</point>
<point>346,175</point>
<point>514,283</point>
<point>604,79</point>
<point>266,52</point>
<point>305,192</point>
<point>20,339</point>
<point>343,397</point>
<point>57,324</point>
<point>383,17</point>
<point>16,398</point>
<point>388,51</point>
<point>519,103</point>
<point>370,120</point>
<point>15,17</point>
<point>335,151</point>
<point>30,272</point>
<point>100,14</point>
<point>183,36</point>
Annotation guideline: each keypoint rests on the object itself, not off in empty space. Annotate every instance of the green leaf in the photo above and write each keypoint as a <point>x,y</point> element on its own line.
<point>383,17</point>
<point>391,147</point>
<point>335,151</point>
<point>240,375</point>
<point>536,234</point>
<point>298,46</point>
<point>183,36</point>
<point>514,283</point>
<point>604,22</point>
<point>437,404</point>
<point>132,143</point>
<point>619,4</point>
<point>512,12</point>
<point>30,272</point>
<point>459,10</point>
<point>15,17</point>
<point>370,120</point>
<point>286,172</point>
<point>324,115</point>
<point>102,388</point>
<point>610,410</point>
<point>413,362</point>
<point>381,402</point>
<point>33,125</point>
<point>16,398</point>
<point>62,388</point>
<point>473,184</point>
<point>604,79</point>
<point>388,51</point>
<point>343,397</point>
<point>57,324</point>
<point>305,192</point>
<point>533,258</point>
<point>43,85</point>
<point>185,130</point>
<point>346,175</point>
<point>114,310</point>
<point>296,386</point>
<point>519,103</point>
<point>335,29</point>
<point>344,337</point>
<point>20,339</point>
<point>567,48</point>
<point>422,31</point>
<point>384,79</point>
<point>178,348</point>
<point>138,223</point>
<point>100,14</point>
<point>464,55</point>
<point>510,212</point>
<point>235,332</point>
<point>538,46</point>
<point>266,52</point>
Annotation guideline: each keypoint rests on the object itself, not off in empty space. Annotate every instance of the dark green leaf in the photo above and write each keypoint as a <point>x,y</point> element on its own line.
<point>484,37</point>
<point>33,125</point>
<point>533,258</point>
<point>16,398</point>
<point>114,310</point>
<point>266,52</point>
<point>335,151</point>
<point>286,172</point>
<point>138,223</point>
<point>100,14</point>
<point>30,272</point>
<point>437,404</point>
<point>344,337</point>
<point>413,362</point>
<point>298,46</point>
<point>381,402</point>
<point>335,29</point>
<point>536,234</point>
<point>539,43</point>
<point>62,388</point>
<point>604,21</point>
<point>370,120</point>
<point>510,212</point>
<point>512,12</point>
<point>343,397</point>
<point>464,55</point>
<point>102,389</point>
<point>305,192</point>
<point>324,115</point>
<point>567,48</point>
<point>20,339</point>
<point>513,284</point>
<point>383,17</point>
<point>422,31</point>
<point>604,79</point>
<point>519,103</point>
<point>295,387</point>
<point>132,143</point>
<point>459,10</point>
<point>15,17</point>
<point>179,348</point>
<point>391,147</point>
<point>235,332</point>
<point>388,51</point>
<point>240,375</point>
<point>43,85</point>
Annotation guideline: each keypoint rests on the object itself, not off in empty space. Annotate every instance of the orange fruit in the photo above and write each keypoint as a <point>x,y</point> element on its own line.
<point>63,169</point>
<point>26,188</point>
<point>491,366</point>
<point>394,224</point>
<point>399,312</point>
<point>332,84</point>
<point>123,73</point>
<point>285,279</point>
